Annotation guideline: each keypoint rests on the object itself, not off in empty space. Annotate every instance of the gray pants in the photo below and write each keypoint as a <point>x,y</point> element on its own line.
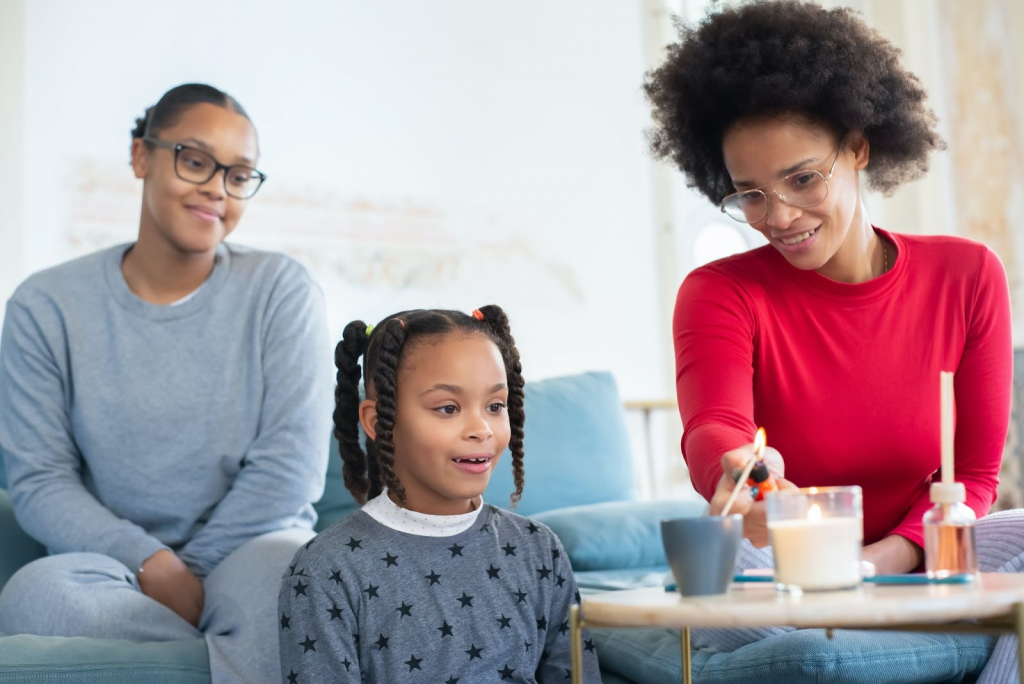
<point>91,595</point>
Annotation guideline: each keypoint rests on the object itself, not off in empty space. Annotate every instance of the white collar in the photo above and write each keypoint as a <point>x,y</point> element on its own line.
<point>388,513</point>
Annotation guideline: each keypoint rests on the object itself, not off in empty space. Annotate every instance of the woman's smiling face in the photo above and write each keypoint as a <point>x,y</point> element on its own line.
<point>759,153</point>
<point>194,218</point>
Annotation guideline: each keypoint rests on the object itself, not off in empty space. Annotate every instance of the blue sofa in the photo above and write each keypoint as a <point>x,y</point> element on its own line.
<point>579,481</point>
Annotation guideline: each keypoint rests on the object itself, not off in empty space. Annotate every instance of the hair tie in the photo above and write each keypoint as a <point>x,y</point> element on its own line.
<point>401,322</point>
<point>478,314</point>
<point>369,330</point>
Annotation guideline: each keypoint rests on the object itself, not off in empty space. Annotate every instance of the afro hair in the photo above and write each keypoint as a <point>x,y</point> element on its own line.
<point>787,58</point>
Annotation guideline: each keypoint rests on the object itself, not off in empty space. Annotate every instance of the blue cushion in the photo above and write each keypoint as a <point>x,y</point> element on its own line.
<point>28,659</point>
<point>621,534</point>
<point>576,445</point>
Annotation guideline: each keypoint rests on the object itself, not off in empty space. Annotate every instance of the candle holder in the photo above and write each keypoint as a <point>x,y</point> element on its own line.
<point>817,534</point>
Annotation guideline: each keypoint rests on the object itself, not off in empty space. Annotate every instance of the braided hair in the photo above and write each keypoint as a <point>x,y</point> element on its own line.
<point>346,407</point>
<point>367,472</point>
<point>494,318</point>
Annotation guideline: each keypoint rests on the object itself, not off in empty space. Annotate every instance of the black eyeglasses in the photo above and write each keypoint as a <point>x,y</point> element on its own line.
<point>195,166</point>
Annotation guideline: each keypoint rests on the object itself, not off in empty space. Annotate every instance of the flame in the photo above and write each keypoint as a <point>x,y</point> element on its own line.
<point>814,514</point>
<point>759,443</point>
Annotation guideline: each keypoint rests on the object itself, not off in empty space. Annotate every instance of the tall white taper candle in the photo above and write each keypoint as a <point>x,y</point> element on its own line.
<point>946,425</point>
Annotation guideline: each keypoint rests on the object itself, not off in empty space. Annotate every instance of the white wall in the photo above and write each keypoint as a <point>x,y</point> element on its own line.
<point>450,153</point>
<point>13,227</point>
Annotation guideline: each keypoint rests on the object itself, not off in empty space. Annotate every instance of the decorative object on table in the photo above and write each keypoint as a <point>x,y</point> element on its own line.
<point>702,552</point>
<point>949,545</point>
<point>817,534</point>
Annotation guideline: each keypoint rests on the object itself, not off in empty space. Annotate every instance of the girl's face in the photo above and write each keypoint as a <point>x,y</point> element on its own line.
<point>188,218</point>
<point>758,153</point>
<point>451,424</point>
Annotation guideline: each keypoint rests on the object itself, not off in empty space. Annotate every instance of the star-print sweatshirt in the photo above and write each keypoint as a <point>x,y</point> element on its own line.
<point>363,602</point>
<point>129,427</point>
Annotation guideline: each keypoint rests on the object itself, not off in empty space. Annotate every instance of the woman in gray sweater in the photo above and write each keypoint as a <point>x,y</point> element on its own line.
<point>164,410</point>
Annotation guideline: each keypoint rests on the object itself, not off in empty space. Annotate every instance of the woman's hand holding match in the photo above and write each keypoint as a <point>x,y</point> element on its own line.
<point>755,527</point>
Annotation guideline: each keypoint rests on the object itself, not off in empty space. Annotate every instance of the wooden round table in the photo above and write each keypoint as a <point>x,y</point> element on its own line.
<point>994,605</point>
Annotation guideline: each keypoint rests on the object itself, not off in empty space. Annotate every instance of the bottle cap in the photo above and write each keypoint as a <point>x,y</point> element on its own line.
<point>948,494</point>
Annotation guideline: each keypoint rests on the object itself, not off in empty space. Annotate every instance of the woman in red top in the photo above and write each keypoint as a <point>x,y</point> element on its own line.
<point>832,336</point>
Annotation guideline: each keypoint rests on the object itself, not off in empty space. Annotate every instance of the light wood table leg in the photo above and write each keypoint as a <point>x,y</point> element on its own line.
<point>576,644</point>
<point>687,665</point>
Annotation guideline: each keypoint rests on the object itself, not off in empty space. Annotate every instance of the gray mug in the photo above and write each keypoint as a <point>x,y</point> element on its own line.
<point>702,552</point>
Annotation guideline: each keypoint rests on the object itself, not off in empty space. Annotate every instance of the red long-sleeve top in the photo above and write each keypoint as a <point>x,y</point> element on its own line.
<point>845,378</point>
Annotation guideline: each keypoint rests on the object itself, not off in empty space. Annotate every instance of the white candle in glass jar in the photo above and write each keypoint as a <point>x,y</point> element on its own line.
<point>816,553</point>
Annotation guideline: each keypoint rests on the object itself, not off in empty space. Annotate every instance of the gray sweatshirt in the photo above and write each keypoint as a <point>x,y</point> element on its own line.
<point>366,603</point>
<point>128,427</point>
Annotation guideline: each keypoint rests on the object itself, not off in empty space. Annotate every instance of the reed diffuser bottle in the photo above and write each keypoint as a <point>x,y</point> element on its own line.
<point>949,546</point>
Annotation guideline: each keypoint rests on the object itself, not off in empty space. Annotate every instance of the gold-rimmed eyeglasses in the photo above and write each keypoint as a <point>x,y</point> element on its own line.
<point>193,165</point>
<point>801,189</point>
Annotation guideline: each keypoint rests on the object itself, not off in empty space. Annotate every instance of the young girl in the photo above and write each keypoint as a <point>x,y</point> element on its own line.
<point>427,583</point>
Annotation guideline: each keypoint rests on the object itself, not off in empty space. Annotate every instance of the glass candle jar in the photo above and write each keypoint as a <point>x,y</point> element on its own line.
<point>817,534</point>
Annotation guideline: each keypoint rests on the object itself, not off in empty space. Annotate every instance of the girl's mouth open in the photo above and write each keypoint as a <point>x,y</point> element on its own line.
<point>476,464</point>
